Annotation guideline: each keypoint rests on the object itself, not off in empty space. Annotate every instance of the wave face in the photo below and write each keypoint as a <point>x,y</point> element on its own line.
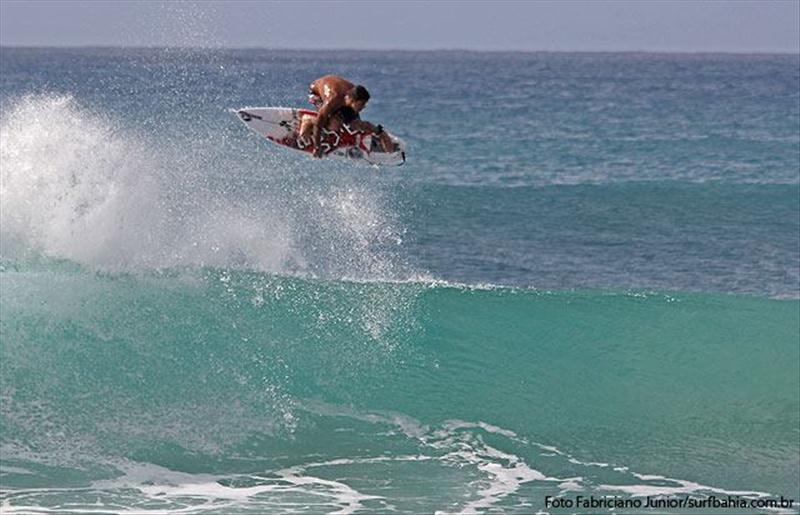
<point>543,303</point>
<point>274,391</point>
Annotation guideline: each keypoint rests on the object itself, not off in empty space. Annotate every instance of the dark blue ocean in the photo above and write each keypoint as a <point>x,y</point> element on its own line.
<point>584,282</point>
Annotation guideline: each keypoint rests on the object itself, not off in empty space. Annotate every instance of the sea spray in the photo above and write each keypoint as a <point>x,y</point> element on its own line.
<point>80,185</point>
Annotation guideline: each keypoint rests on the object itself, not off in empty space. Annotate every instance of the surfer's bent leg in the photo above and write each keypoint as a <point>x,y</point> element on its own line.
<point>307,123</point>
<point>306,129</point>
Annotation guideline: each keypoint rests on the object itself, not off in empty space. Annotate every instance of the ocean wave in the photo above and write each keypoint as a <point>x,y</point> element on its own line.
<point>502,393</point>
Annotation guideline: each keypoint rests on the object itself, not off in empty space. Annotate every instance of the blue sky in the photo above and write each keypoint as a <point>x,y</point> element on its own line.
<point>594,25</point>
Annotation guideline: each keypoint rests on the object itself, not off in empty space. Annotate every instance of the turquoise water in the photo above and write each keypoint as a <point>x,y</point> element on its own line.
<point>584,283</point>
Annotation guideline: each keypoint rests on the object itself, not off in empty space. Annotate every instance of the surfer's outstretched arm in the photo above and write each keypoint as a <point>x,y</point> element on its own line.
<point>386,141</point>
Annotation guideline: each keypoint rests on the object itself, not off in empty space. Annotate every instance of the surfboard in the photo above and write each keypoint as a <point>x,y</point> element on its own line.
<point>280,125</point>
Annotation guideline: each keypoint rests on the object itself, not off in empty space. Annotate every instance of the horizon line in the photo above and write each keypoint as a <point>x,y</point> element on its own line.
<point>410,50</point>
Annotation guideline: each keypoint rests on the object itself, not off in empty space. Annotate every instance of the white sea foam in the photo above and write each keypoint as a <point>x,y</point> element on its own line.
<point>493,475</point>
<point>459,444</point>
<point>456,444</point>
<point>679,486</point>
<point>181,492</point>
<point>76,186</point>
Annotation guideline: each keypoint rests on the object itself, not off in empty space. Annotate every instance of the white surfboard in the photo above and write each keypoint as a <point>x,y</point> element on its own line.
<point>280,125</point>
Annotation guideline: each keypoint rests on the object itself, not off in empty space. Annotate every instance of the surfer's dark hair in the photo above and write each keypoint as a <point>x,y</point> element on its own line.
<point>360,93</point>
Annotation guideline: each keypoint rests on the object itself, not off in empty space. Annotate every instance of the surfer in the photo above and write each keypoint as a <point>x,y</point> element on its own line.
<point>339,103</point>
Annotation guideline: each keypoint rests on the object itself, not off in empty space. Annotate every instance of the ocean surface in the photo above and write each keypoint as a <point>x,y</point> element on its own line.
<point>585,281</point>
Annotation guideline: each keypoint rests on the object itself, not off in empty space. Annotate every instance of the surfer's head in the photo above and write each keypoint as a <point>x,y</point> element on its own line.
<point>357,98</point>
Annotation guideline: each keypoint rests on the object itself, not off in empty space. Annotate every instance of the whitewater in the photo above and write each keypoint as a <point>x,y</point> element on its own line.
<point>597,293</point>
